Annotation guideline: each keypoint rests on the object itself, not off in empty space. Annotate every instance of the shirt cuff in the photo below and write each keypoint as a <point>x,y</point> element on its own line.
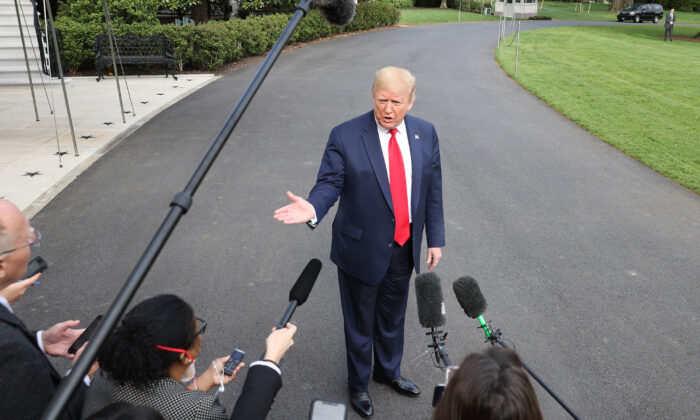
<point>268,364</point>
<point>86,379</point>
<point>315,219</point>
<point>40,341</point>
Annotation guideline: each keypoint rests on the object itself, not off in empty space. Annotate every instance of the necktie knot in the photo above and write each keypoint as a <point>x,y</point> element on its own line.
<point>393,132</point>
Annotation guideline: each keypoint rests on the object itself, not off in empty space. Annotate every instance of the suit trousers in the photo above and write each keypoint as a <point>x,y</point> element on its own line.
<point>668,31</point>
<point>374,315</point>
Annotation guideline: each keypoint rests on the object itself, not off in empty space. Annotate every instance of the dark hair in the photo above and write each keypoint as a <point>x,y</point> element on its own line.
<point>489,385</point>
<point>124,411</point>
<point>130,354</point>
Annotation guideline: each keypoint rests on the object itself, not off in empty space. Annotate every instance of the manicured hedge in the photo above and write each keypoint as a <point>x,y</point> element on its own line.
<point>208,46</point>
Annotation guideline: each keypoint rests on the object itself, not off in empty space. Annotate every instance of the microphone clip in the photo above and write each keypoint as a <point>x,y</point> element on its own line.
<point>492,336</point>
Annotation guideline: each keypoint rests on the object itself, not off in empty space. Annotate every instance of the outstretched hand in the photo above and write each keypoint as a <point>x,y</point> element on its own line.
<point>299,211</point>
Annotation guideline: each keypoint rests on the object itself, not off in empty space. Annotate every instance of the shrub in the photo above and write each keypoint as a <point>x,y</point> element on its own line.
<point>121,11</point>
<point>468,5</point>
<point>399,4</point>
<point>208,46</point>
<point>540,17</point>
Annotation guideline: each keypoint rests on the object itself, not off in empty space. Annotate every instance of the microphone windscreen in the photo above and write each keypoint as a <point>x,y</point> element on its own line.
<point>302,288</point>
<point>336,12</point>
<point>431,305</point>
<point>469,296</point>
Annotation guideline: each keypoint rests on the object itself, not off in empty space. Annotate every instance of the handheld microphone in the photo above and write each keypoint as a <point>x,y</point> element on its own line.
<point>336,12</point>
<point>472,301</point>
<point>474,304</point>
<point>431,313</point>
<point>301,289</point>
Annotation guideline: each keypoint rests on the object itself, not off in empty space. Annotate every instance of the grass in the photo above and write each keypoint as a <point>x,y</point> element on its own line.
<point>624,85</point>
<point>434,15</point>
<point>599,12</point>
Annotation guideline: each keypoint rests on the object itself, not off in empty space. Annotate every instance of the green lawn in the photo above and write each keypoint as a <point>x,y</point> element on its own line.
<point>623,84</point>
<point>599,12</point>
<point>426,16</point>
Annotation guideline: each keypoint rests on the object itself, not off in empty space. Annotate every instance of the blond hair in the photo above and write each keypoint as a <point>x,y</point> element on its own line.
<point>394,79</point>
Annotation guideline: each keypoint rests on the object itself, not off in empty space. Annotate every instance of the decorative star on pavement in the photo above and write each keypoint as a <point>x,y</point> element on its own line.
<point>89,136</point>
<point>31,174</point>
<point>60,153</point>
<point>108,123</point>
<point>144,102</point>
<point>160,94</point>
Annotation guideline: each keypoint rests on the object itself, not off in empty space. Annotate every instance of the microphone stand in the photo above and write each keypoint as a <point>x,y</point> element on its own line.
<point>495,337</point>
<point>437,346</point>
<point>179,206</point>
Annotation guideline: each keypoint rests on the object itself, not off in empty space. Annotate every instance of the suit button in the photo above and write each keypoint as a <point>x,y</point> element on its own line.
<point>391,244</point>
<point>393,221</point>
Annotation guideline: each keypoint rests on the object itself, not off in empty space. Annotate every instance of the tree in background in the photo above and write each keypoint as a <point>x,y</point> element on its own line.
<point>247,7</point>
<point>121,11</point>
<point>616,5</point>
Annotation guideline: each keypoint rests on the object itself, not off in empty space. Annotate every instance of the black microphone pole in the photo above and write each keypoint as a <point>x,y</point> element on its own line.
<point>495,337</point>
<point>179,206</point>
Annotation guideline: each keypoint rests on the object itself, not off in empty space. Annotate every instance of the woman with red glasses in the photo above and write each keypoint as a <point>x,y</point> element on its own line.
<point>149,357</point>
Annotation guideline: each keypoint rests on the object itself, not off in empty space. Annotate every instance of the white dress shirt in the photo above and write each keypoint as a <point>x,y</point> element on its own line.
<point>402,140</point>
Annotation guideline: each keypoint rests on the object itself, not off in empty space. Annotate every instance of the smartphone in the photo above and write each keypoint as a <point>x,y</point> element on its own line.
<point>327,410</point>
<point>235,360</point>
<point>86,335</point>
<point>36,265</point>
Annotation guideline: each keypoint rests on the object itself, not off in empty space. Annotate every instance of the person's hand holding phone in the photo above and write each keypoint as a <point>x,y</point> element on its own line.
<point>59,338</point>
<point>93,367</point>
<point>210,378</point>
<point>16,290</point>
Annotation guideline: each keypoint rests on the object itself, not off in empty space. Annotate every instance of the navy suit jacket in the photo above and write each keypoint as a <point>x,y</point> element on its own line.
<point>353,170</point>
<point>28,380</point>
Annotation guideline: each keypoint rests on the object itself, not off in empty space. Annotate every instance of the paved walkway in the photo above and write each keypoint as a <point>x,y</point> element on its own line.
<point>588,259</point>
<point>30,175</point>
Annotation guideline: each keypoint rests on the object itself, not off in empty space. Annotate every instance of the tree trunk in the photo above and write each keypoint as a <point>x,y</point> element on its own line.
<point>443,4</point>
<point>620,4</point>
<point>200,12</point>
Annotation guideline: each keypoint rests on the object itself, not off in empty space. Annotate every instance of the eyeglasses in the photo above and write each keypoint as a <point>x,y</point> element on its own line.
<point>34,241</point>
<point>201,326</point>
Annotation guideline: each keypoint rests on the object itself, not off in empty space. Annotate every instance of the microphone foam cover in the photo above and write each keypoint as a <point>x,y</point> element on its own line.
<point>431,305</point>
<point>336,12</point>
<point>302,288</point>
<point>469,296</point>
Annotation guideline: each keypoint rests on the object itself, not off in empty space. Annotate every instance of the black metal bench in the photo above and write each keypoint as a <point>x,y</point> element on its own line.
<point>155,49</point>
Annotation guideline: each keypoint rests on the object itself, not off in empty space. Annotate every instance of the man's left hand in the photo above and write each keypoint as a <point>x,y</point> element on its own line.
<point>58,338</point>
<point>434,255</point>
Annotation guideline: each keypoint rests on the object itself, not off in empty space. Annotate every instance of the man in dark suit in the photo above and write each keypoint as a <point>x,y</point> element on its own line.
<point>385,168</point>
<point>668,25</point>
<point>27,378</point>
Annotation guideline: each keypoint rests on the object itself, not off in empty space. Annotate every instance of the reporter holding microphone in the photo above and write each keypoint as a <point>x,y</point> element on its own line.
<point>150,357</point>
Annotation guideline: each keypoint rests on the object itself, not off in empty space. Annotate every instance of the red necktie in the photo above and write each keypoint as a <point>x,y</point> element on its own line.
<point>399,196</point>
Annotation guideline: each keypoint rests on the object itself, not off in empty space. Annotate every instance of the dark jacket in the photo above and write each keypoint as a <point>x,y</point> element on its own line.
<point>353,170</point>
<point>28,380</point>
<point>670,18</point>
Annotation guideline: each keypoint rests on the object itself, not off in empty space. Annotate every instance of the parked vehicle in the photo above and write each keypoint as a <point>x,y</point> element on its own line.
<point>641,12</point>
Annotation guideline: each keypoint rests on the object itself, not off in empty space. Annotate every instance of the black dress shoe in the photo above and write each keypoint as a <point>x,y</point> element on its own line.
<point>361,403</point>
<point>400,385</point>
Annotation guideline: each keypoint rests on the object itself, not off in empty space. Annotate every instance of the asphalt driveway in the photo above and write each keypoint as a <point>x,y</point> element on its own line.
<point>589,260</point>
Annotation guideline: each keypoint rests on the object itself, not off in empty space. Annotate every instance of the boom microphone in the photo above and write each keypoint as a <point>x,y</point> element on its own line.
<point>336,12</point>
<point>431,305</point>
<point>474,304</point>
<point>301,289</point>
<point>471,300</point>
